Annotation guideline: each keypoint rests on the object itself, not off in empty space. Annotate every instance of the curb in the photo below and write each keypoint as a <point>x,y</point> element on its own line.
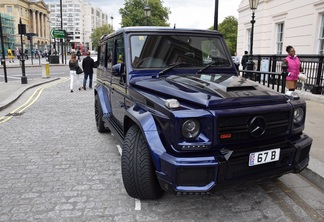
<point>18,93</point>
<point>314,172</point>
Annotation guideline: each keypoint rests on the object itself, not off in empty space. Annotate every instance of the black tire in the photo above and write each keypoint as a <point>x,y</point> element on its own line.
<point>138,170</point>
<point>98,117</point>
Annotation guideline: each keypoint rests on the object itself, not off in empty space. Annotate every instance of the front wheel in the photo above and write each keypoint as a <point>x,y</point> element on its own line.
<point>138,170</point>
<point>98,117</point>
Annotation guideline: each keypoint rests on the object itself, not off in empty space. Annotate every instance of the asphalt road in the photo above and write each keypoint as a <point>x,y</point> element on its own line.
<point>55,166</point>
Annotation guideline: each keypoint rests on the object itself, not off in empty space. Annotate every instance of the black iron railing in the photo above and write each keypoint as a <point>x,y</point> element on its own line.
<point>269,67</point>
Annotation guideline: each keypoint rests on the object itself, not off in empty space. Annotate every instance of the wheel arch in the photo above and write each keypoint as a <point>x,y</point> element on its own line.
<point>103,95</point>
<point>145,121</point>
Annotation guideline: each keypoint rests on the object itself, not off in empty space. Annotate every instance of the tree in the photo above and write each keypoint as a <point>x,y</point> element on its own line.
<point>228,27</point>
<point>98,33</point>
<point>133,13</point>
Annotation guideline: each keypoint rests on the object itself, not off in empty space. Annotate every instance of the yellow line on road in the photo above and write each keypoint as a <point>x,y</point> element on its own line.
<point>31,100</point>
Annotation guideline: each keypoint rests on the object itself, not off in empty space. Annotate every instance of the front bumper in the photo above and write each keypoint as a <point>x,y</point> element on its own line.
<point>197,175</point>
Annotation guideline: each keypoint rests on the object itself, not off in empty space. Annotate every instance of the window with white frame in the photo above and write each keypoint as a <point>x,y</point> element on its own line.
<point>279,38</point>
<point>321,37</point>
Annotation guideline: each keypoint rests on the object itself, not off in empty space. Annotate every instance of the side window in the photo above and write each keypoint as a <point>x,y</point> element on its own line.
<point>119,50</point>
<point>102,50</point>
<point>110,45</point>
<point>118,59</point>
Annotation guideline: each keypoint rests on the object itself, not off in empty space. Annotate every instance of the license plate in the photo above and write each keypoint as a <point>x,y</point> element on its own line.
<point>262,157</point>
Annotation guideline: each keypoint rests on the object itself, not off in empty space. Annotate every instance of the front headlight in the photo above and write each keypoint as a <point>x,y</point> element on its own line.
<point>298,115</point>
<point>190,129</point>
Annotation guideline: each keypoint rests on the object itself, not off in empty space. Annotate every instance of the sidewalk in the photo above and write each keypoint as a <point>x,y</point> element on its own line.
<point>34,62</point>
<point>11,91</point>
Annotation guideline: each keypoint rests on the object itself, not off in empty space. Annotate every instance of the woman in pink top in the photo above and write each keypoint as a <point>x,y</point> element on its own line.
<point>294,68</point>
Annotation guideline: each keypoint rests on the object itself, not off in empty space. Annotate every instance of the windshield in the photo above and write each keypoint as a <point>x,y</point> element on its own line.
<point>163,51</point>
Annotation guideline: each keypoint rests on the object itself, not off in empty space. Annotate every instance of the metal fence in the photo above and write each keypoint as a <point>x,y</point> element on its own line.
<point>270,65</point>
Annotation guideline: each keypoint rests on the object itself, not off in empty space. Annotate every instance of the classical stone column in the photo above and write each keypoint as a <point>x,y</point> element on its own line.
<point>38,25</point>
<point>45,26</point>
<point>34,20</point>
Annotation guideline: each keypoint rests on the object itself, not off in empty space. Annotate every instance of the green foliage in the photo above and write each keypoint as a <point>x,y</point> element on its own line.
<point>133,13</point>
<point>228,27</point>
<point>98,32</point>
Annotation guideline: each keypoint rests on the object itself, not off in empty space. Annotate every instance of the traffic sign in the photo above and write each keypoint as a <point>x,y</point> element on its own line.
<point>58,34</point>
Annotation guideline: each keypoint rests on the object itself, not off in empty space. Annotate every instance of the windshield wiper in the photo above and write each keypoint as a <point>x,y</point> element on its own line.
<point>169,68</point>
<point>206,67</point>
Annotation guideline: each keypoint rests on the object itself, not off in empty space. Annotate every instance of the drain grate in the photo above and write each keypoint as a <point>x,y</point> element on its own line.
<point>14,114</point>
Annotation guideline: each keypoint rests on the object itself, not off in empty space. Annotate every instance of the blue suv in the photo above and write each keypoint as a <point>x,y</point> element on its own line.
<point>187,122</point>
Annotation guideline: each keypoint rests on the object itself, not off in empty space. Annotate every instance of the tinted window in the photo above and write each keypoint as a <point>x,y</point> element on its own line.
<point>160,51</point>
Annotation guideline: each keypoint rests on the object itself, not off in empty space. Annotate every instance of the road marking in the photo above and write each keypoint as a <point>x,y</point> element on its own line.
<point>119,150</point>
<point>31,100</point>
<point>138,205</point>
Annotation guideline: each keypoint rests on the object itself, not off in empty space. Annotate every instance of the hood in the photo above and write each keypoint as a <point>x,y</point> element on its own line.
<point>210,90</point>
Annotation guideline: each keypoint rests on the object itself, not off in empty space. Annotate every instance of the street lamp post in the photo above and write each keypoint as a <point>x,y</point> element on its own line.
<point>61,14</point>
<point>147,10</point>
<point>22,31</point>
<point>112,22</point>
<point>253,7</point>
<point>216,16</point>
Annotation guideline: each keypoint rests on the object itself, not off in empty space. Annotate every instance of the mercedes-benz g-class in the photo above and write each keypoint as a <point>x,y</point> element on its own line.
<point>187,121</point>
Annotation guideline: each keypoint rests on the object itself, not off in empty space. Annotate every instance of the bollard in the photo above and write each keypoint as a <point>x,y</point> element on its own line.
<point>45,70</point>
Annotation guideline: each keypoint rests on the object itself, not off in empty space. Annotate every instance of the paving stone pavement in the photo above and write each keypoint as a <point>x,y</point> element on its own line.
<point>55,166</point>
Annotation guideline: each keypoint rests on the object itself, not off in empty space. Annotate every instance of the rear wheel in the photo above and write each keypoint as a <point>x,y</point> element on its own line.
<point>98,116</point>
<point>138,170</point>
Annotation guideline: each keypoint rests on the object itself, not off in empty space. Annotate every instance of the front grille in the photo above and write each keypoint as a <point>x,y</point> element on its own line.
<point>237,127</point>
<point>195,176</point>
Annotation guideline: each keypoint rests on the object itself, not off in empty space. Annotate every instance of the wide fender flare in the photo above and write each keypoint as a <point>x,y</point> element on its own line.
<point>103,93</point>
<point>145,121</point>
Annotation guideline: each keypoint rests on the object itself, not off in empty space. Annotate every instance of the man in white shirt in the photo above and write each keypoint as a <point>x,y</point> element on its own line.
<point>236,61</point>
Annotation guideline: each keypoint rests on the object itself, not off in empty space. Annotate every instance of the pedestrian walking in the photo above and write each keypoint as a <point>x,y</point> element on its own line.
<point>10,55</point>
<point>87,65</point>
<point>17,52</point>
<point>245,59</point>
<point>236,61</point>
<point>78,54</point>
<point>75,78</point>
<point>26,54</point>
<point>294,67</point>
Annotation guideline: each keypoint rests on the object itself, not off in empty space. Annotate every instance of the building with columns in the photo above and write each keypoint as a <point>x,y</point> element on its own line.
<point>34,14</point>
<point>80,18</point>
<point>279,23</point>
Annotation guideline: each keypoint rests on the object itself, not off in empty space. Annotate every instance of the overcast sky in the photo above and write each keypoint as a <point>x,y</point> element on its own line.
<point>184,13</point>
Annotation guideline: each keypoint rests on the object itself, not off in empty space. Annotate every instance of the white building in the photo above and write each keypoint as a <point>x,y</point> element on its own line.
<point>279,23</point>
<point>79,19</point>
